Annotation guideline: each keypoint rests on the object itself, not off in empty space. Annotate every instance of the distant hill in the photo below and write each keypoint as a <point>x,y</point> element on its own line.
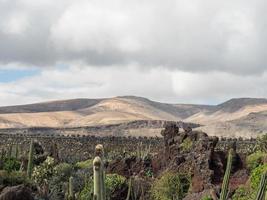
<point>236,117</point>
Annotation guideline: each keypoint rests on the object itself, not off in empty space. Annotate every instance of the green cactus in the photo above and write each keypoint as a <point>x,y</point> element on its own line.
<point>98,186</point>
<point>70,189</point>
<point>10,151</point>
<point>99,149</point>
<point>30,161</point>
<point>129,189</point>
<point>225,185</point>
<point>17,151</point>
<point>262,187</point>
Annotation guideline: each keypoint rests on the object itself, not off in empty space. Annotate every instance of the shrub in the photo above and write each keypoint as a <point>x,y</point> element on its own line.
<point>63,170</point>
<point>43,172</point>
<point>207,198</point>
<point>114,182</point>
<point>244,193</point>
<point>170,186</point>
<point>12,178</point>
<point>85,164</point>
<point>11,164</point>
<point>254,160</point>
<point>256,176</point>
<point>186,145</point>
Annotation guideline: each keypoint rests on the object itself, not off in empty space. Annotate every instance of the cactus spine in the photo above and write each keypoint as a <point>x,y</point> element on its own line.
<point>70,192</point>
<point>98,190</point>
<point>262,187</point>
<point>225,185</point>
<point>30,161</point>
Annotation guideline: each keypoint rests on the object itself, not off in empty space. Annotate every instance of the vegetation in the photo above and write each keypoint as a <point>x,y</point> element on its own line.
<point>225,184</point>
<point>170,186</point>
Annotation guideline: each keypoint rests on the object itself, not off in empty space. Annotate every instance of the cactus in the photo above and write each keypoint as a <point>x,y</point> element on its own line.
<point>10,151</point>
<point>225,185</point>
<point>98,186</point>
<point>30,161</point>
<point>17,151</point>
<point>70,189</point>
<point>129,189</point>
<point>99,149</point>
<point>262,187</point>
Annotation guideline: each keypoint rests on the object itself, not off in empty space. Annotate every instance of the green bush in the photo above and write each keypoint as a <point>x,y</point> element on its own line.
<point>114,182</point>
<point>11,164</point>
<point>63,170</point>
<point>186,145</point>
<point>12,178</point>
<point>170,186</point>
<point>42,173</point>
<point>244,193</point>
<point>254,160</point>
<point>84,164</point>
<point>207,198</point>
<point>256,176</point>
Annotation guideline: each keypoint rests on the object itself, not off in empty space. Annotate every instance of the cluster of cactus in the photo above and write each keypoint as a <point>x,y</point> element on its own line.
<point>262,187</point>
<point>99,174</point>
<point>30,161</point>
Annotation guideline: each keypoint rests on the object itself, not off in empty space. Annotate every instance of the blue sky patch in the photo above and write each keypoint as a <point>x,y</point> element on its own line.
<point>10,75</point>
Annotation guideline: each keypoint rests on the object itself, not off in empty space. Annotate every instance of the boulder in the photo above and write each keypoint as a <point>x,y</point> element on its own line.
<point>19,192</point>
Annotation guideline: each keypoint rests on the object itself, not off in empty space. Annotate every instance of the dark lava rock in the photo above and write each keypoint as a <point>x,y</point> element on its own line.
<point>19,192</point>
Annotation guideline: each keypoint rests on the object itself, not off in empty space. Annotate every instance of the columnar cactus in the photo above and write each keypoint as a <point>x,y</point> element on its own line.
<point>70,189</point>
<point>225,185</point>
<point>30,161</point>
<point>99,149</point>
<point>262,187</point>
<point>98,187</point>
<point>17,151</point>
<point>129,189</point>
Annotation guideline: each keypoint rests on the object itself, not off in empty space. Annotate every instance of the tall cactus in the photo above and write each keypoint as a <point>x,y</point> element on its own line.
<point>30,161</point>
<point>99,150</point>
<point>98,187</point>
<point>262,187</point>
<point>129,189</point>
<point>225,185</point>
<point>17,151</point>
<point>70,189</point>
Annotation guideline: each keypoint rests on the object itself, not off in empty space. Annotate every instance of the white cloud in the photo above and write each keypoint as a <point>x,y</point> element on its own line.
<point>157,84</point>
<point>186,35</point>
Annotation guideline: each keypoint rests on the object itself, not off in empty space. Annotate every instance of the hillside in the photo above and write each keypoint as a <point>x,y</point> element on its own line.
<point>236,117</point>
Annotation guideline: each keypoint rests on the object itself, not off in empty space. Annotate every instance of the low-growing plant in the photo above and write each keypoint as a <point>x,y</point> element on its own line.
<point>84,164</point>
<point>186,145</point>
<point>12,178</point>
<point>11,164</point>
<point>170,186</point>
<point>255,159</point>
<point>256,176</point>
<point>206,198</point>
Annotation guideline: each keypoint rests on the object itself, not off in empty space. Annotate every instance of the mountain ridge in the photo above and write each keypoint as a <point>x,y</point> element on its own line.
<point>103,111</point>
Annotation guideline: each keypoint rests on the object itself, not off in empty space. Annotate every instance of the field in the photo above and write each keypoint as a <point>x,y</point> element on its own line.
<point>182,164</point>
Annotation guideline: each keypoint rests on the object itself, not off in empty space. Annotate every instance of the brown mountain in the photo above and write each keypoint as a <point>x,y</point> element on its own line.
<point>236,117</point>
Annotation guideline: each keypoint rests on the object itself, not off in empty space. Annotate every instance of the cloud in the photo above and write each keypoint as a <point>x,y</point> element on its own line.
<point>187,35</point>
<point>157,84</point>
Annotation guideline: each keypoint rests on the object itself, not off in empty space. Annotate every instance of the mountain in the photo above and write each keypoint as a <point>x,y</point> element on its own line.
<point>236,117</point>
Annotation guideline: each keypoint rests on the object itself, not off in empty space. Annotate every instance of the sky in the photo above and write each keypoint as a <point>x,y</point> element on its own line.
<point>175,51</point>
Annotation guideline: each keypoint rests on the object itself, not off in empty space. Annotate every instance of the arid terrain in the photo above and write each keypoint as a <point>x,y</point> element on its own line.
<point>243,117</point>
